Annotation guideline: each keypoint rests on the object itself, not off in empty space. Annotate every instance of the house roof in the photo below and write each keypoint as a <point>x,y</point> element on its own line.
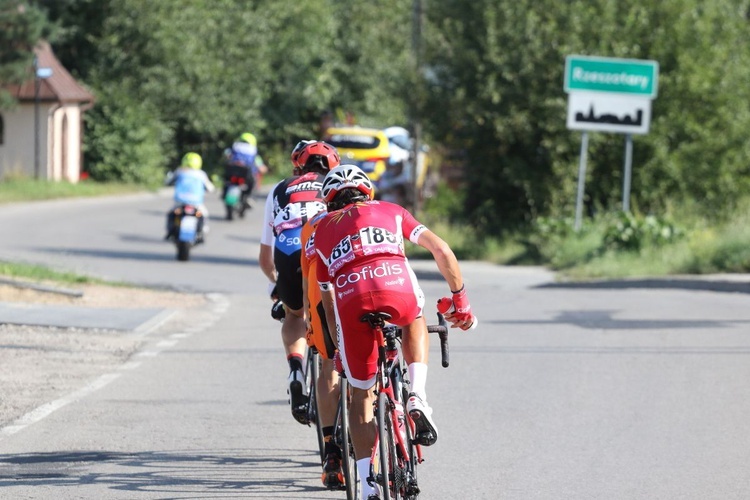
<point>61,86</point>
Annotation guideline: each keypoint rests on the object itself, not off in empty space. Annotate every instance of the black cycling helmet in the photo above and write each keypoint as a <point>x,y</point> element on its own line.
<point>297,151</point>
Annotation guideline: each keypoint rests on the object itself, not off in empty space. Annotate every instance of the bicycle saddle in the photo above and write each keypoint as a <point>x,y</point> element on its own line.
<point>375,318</point>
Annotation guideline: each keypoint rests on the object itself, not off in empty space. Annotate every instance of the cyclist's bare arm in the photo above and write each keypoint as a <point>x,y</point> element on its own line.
<point>444,257</point>
<point>265,260</point>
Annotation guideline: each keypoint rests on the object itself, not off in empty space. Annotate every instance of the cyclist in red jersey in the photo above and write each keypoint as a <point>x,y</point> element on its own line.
<point>288,206</point>
<point>363,269</point>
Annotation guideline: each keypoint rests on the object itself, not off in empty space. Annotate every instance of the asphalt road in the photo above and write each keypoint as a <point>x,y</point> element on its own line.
<point>605,391</point>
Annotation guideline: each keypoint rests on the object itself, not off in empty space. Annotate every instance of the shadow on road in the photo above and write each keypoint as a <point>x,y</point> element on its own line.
<point>159,240</point>
<point>152,256</point>
<point>257,473</point>
<point>707,284</point>
<point>603,320</point>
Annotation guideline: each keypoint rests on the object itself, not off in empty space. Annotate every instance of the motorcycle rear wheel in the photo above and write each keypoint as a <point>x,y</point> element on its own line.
<point>183,251</point>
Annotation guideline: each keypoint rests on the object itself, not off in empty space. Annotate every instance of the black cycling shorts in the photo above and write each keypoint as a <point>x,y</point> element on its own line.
<point>288,278</point>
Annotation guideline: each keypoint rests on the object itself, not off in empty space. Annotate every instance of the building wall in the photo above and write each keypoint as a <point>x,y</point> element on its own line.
<point>17,149</point>
<point>59,142</point>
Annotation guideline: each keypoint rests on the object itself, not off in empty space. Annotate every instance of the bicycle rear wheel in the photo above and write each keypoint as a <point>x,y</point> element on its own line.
<point>388,475</point>
<point>312,374</point>
<point>348,463</point>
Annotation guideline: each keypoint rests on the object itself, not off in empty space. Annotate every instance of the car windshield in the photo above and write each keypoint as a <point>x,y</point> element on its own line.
<point>401,141</point>
<point>352,141</point>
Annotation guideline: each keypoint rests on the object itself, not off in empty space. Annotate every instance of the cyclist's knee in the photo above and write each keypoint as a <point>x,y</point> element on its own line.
<point>362,394</point>
<point>300,313</point>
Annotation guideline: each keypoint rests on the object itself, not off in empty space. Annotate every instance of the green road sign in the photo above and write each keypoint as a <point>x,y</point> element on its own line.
<point>602,74</point>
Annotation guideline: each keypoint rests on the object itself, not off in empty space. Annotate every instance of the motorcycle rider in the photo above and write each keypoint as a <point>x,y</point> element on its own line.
<point>190,185</point>
<point>242,160</point>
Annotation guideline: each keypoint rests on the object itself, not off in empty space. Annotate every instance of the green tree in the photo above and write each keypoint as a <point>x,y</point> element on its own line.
<point>374,64</point>
<point>208,71</point>
<point>21,26</point>
<point>496,87</point>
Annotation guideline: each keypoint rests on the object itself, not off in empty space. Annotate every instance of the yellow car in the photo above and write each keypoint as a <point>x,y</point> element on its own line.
<point>367,148</point>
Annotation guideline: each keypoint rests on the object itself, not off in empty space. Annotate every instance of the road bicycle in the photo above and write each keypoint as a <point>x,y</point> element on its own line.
<point>397,452</point>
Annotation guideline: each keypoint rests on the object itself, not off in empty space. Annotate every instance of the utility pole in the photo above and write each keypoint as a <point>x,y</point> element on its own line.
<point>417,23</point>
<point>37,84</point>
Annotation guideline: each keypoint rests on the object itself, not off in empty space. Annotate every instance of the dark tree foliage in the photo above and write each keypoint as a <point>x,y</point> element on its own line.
<point>178,75</point>
<point>21,27</point>
<point>496,90</point>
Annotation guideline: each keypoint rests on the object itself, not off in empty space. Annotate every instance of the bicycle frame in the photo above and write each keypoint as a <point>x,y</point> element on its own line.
<point>391,373</point>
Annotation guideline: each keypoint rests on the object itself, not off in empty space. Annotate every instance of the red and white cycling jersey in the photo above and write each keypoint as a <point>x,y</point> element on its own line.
<point>362,260</point>
<point>363,231</point>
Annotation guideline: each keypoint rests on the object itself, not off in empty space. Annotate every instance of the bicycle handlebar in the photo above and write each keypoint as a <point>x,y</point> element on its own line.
<point>442,330</point>
<point>393,332</point>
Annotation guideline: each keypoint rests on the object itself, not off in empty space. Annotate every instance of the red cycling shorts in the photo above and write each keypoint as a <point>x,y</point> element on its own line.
<point>387,286</point>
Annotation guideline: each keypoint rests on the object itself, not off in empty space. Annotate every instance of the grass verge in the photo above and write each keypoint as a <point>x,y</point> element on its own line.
<point>23,189</point>
<point>38,273</point>
<point>612,245</point>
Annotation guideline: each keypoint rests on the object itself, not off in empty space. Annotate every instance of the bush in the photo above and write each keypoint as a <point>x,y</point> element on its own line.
<point>629,232</point>
<point>124,141</point>
<point>446,204</point>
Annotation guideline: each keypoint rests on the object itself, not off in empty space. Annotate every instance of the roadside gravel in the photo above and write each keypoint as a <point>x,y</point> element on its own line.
<point>41,364</point>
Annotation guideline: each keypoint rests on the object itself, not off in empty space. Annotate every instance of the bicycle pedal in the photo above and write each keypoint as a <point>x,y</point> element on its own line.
<point>333,480</point>
<point>425,438</point>
<point>300,415</point>
<point>412,488</point>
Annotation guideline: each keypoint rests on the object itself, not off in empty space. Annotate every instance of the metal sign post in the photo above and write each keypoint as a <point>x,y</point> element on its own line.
<point>627,173</point>
<point>581,179</point>
<point>37,83</point>
<point>39,75</point>
<point>609,95</point>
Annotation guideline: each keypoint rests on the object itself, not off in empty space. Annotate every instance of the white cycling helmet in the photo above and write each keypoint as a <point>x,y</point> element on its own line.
<point>346,176</point>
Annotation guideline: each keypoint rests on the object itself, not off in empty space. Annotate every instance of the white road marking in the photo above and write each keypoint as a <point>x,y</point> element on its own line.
<point>46,409</point>
<point>221,305</point>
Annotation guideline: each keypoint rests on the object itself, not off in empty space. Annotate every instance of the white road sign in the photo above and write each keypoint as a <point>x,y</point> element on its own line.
<point>595,111</point>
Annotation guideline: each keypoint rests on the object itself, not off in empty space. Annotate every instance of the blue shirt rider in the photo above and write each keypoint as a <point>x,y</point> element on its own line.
<point>190,185</point>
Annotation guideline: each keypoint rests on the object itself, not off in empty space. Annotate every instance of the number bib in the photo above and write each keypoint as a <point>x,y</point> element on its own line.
<point>295,215</point>
<point>369,240</point>
<point>310,246</point>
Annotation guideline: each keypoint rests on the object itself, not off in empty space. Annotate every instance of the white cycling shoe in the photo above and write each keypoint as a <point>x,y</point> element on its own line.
<point>420,412</point>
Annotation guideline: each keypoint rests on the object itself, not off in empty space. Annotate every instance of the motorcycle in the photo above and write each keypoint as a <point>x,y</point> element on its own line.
<point>236,194</point>
<point>186,229</point>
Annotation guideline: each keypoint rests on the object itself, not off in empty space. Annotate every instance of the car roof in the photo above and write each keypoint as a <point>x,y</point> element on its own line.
<point>353,139</point>
<point>355,131</point>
